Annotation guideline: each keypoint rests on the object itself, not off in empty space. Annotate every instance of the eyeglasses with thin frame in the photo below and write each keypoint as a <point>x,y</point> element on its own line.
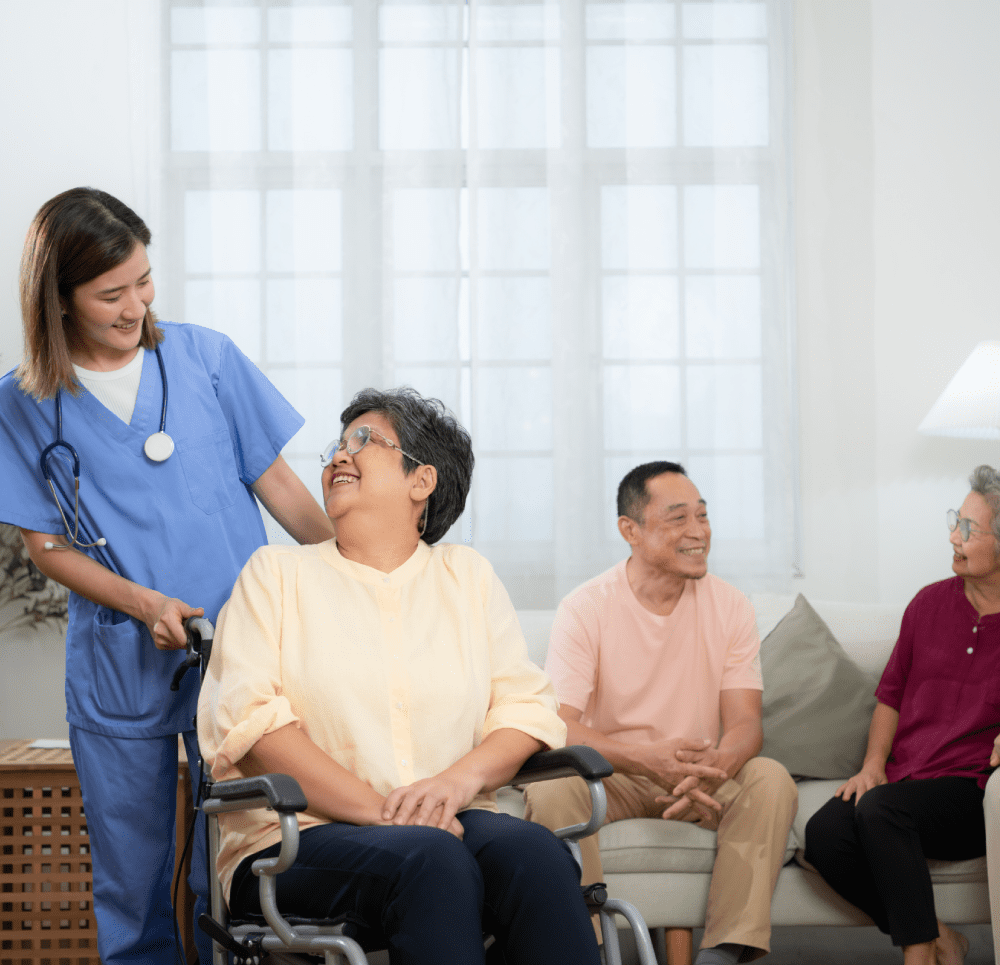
<point>355,442</point>
<point>964,526</point>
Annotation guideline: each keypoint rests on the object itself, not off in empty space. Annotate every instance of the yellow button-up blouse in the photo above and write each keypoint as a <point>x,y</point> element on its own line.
<point>394,675</point>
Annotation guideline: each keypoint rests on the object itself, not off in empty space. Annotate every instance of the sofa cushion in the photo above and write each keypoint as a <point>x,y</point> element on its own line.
<point>812,796</point>
<point>957,871</point>
<point>817,702</point>
<point>866,631</point>
<point>655,845</point>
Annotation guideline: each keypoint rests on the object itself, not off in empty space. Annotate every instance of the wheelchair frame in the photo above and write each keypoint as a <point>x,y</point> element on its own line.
<point>287,940</point>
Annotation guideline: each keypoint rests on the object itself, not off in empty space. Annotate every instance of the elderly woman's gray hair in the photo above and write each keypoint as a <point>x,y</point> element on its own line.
<point>426,428</point>
<point>985,480</point>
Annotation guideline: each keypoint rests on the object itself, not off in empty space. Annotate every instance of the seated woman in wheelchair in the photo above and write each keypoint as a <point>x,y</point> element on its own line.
<point>390,677</point>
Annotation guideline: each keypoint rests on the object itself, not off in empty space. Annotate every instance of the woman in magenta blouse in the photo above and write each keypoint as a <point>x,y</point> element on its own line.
<point>919,793</point>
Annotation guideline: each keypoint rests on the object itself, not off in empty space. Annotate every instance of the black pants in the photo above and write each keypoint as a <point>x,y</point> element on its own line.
<point>429,897</point>
<point>874,853</point>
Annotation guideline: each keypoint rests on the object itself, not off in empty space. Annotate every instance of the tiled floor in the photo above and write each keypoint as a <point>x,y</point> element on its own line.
<point>833,946</point>
<point>859,946</point>
<point>854,946</point>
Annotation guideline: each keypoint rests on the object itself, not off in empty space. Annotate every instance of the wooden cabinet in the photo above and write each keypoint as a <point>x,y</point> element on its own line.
<point>46,905</point>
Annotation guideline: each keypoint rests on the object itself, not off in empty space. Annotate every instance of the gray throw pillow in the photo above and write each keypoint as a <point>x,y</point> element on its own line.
<point>817,702</point>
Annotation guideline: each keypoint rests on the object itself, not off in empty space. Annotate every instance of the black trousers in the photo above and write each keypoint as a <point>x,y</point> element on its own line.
<point>874,853</point>
<point>428,897</point>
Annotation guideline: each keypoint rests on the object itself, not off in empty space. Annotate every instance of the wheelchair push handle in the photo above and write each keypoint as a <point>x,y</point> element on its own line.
<point>200,634</point>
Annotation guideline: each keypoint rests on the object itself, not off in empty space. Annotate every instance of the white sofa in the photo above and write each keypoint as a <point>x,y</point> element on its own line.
<point>664,868</point>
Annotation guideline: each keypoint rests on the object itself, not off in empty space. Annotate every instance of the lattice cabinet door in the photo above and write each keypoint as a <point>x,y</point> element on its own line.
<point>47,915</point>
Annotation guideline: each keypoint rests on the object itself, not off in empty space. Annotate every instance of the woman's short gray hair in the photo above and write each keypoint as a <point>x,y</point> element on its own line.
<point>985,480</point>
<point>426,428</point>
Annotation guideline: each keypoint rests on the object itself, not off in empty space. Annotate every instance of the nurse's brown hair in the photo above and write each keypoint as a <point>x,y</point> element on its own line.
<point>76,236</point>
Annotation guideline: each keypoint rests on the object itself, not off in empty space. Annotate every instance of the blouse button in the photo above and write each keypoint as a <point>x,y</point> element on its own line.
<point>969,650</point>
<point>975,629</point>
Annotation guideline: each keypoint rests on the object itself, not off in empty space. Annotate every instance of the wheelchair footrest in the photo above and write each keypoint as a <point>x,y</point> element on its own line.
<point>217,933</point>
<point>249,951</point>
<point>595,895</point>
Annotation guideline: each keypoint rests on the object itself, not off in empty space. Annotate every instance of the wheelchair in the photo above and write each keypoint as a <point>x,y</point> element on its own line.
<point>284,940</point>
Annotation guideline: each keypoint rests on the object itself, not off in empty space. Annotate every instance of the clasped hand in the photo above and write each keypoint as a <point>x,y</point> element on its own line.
<point>433,802</point>
<point>689,769</point>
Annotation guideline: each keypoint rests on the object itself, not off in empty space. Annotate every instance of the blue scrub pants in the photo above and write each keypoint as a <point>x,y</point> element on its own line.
<point>129,788</point>
<point>429,897</point>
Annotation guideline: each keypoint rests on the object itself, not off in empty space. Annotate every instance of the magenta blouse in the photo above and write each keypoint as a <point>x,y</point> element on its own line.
<point>944,679</point>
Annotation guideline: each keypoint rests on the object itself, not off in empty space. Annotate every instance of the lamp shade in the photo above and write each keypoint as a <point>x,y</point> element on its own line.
<point>969,407</point>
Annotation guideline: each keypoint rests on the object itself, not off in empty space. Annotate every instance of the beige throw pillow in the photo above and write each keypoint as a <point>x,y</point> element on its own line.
<point>817,702</point>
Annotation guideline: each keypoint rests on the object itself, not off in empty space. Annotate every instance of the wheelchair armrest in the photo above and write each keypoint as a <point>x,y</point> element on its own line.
<point>280,792</point>
<point>573,761</point>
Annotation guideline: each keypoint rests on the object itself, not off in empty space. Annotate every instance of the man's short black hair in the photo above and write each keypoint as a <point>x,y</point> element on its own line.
<point>633,496</point>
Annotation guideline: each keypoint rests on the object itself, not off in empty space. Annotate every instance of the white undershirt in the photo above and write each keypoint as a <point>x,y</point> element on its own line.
<point>115,390</point>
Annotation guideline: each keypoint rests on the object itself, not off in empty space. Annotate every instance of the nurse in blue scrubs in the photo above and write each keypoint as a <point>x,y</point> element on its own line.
<point>171,432</point>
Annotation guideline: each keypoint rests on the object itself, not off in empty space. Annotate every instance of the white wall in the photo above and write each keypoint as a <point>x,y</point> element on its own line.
<point>937,208</point>
<point>73,111</point>
<point>835,277</point>
<point>898,202</point>
<point>896,159</point>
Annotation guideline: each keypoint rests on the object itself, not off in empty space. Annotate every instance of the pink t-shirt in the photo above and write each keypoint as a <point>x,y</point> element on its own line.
<point>641,677</point>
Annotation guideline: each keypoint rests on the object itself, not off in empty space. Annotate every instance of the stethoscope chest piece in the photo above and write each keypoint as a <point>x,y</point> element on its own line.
<point>159,447</point>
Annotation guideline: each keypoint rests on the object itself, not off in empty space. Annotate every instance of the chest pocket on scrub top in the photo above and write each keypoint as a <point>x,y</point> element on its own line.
<point>210,471</point>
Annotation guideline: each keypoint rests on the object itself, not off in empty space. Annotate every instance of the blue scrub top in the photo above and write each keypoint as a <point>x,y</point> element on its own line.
<point>184,527</point>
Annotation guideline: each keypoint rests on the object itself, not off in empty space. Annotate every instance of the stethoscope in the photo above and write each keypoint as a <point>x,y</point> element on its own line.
<point>158,447</point>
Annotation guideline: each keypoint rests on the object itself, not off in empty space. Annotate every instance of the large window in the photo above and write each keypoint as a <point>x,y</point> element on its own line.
<point>568,220</point>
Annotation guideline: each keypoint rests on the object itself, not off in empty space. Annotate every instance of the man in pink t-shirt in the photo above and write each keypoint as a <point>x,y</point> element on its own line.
<point>656,665</point>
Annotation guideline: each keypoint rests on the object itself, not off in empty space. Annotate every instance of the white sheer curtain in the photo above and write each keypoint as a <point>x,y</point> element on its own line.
<point>569,220</point>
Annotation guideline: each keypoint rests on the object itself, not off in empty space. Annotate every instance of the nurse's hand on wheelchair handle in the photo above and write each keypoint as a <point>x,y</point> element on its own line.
<point>166,621</point>
<point>200,634</point>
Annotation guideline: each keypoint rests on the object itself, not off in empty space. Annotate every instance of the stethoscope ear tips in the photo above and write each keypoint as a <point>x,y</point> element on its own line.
<point>49,545</point>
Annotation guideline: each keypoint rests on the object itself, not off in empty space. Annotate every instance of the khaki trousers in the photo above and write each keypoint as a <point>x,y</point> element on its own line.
<point>758,803</point>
